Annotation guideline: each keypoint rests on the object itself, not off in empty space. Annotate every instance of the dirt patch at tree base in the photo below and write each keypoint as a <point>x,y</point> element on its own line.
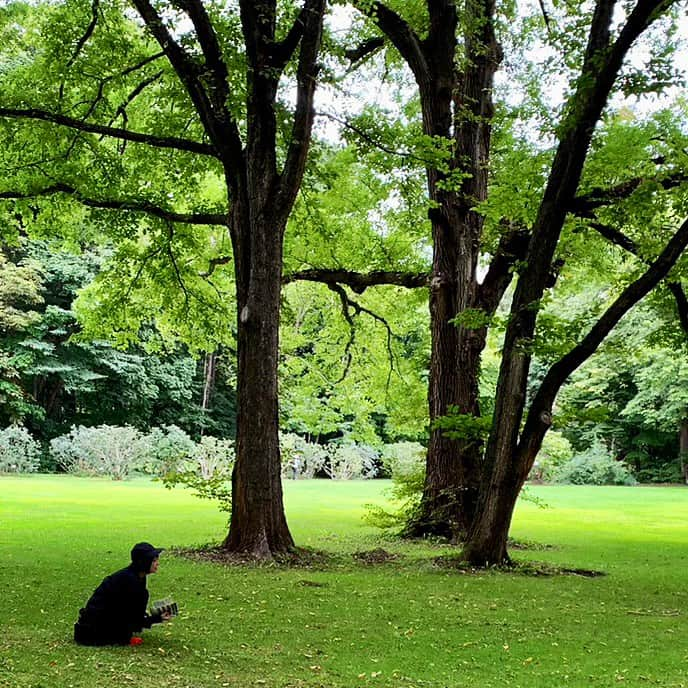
<point>299,558</point>
<point>375,556</point>
<point>522,568</point>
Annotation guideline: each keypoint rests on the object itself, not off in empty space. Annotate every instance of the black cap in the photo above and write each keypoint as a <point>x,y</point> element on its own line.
<point>143,553</point>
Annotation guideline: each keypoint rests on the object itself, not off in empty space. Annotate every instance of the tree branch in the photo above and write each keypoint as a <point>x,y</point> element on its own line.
<point>283,50</point>
<point>214,59</point>
<point>512,248</point>
<point>676,288</point>
<point>359,281</point>
<point>539,415</point>
<point>295,163</point>
<point>121,109</point>
<point>213,263</point>
<point>369,139</point>
<point>583,205</point>
<point>87,33</point>
<point>402,36</point>
<point>113,132</point>
<point>358,308</point>
<point>222,132</point>
<point>344,299</point>
<point>126,205</point>
<point>364,50</point>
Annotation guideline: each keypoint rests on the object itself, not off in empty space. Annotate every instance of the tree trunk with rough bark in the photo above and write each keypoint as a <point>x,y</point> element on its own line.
<point>261,196</point>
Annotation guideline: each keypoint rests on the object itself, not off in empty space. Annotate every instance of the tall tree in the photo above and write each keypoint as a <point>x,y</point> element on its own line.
<point>453,53</point>
<point>212,109</point>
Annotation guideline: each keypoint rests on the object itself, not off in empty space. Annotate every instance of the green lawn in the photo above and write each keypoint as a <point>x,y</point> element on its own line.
<point>406,623</point>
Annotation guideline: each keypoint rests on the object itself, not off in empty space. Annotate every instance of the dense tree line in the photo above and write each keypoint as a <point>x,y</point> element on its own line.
<point>52,380</point>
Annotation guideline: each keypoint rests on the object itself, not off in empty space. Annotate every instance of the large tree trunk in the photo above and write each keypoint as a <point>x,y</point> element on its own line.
<point>451,480</point>
<point>258,525</point>
<point>459,107</point>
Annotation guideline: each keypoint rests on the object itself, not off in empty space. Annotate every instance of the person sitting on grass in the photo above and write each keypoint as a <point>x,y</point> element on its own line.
<point>117,608</point>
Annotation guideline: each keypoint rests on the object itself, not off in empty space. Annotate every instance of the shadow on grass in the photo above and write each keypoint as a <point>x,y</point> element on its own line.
<point>319,560</point>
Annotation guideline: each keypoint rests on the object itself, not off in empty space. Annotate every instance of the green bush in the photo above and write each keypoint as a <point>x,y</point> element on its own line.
<point>556,450</point>
<point>406,461</point>
<point>165,449</point>
<point>595,466</point>
<point>19,452</point>
<point>666,473</point>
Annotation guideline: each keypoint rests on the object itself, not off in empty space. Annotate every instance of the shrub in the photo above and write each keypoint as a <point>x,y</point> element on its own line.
<point>556,450</point>
<point>165,450</point>
<point>311,456</point>
<point>595,466</point>
<point>212,457</point>
<point>403,458</point>
<point>349,461</point>
<point>207,471</point>
<point>105,450</point>
<point>666,473</point>
<point>19,452</point>
<point>407,463</point>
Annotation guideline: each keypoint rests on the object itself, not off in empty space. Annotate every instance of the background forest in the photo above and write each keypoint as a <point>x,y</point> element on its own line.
<point>359,386</point>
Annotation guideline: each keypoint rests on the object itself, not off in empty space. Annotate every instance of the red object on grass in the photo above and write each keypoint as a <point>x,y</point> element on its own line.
<point>135,640</point>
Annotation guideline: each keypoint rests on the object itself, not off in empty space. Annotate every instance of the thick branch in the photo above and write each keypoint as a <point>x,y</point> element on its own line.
<point>615,236</point>
<point>294,166</point>
<point>128,205</point>
<point>364,50</point>
<point>284,50</point>
<point>584,204</point>
<point>676,288</point>
<point>359,281</point>
<point>402,36</point>
<point>112,132</point>
<point>222,133</point>
<point>512,248</point>
<point>214,60</point>
<point>539,416</point>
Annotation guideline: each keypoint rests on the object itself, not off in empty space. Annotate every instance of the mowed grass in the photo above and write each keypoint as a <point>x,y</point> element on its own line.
<point>404,623</point>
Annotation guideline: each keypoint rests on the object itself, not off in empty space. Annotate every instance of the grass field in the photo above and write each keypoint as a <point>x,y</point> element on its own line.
<point>404,623</point>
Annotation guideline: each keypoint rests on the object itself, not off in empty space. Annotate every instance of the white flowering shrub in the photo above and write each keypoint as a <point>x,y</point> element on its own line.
<point>403,459</point>
<point>105,450</point>
<point>211,458</point>
<point>297,453</point>
<point>351,461</point>
<point>19,452</point>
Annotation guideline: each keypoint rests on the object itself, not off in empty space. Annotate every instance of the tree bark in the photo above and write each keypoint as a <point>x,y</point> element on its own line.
<point>456,108</point>
<point>683,449</point>
<point>258,526</point>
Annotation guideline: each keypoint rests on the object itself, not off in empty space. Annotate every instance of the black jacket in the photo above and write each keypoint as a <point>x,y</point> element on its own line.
<point>115,611</point>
